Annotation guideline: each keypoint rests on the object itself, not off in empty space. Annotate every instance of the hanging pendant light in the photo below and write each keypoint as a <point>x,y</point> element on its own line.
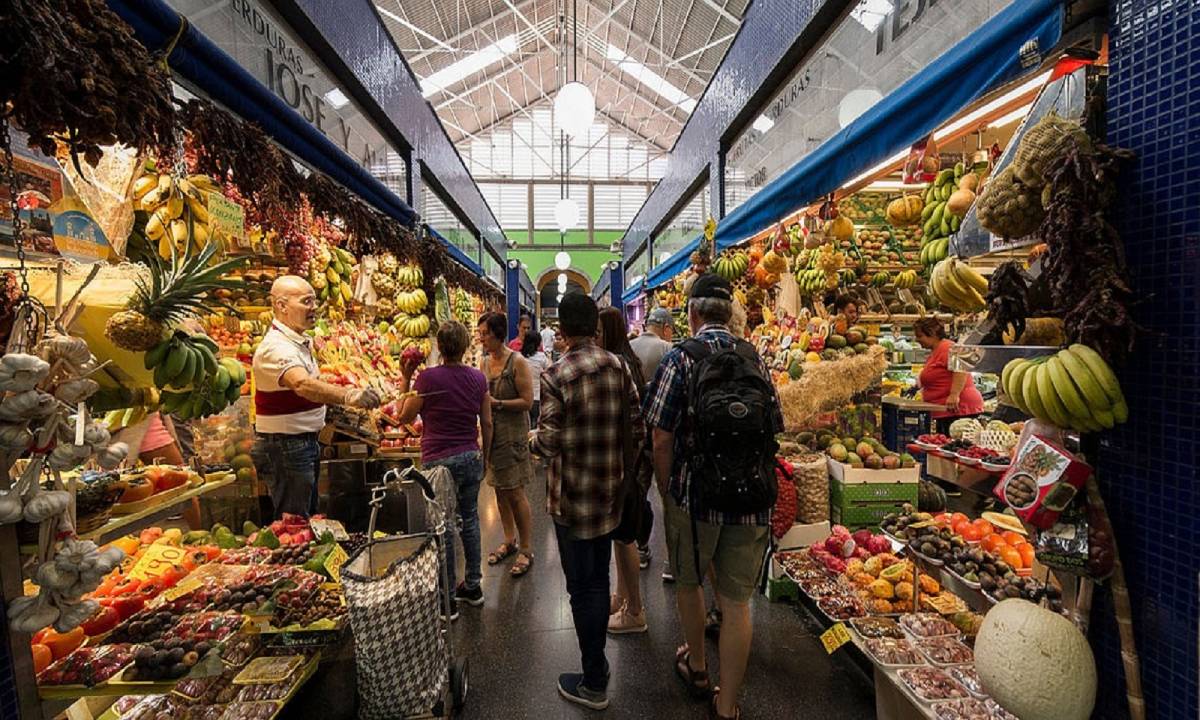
<point>566,215</point>
<point>574,109</point>
<point>562,260</point>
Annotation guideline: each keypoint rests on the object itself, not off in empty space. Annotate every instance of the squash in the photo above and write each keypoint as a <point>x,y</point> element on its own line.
<point>960,202</point>
<point>905,210</point>
<point>774,262</point>
<point>930,497</point>
<point>840,228</point>
<point>1035,663</point>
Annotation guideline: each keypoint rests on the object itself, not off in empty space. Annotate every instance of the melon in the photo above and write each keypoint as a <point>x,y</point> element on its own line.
<point>891,462</point>
<point>849,442</point>
<point>861,348</point>
<point>840,228</point>
<point>864,450</point>
<point>854,336</point>
<point>960,202</point>
<point>838,452</point>
<point>1035,663</point>
<point>854,461</point>
<point>837,342</point>
<point>242,461</point>
<point>873,462</point>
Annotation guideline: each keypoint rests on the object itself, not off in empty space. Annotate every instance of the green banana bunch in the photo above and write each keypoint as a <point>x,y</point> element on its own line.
<point>1073,389</point>
<point>195,382</point>
<point>209,399</point>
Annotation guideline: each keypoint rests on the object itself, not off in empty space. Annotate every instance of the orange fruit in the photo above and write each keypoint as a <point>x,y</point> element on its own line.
<point>1012,556</point>
<point>1026,551</point>
<point>993,542</point>
<point>985,528</point>
<point>1014,538</point>
<point>970,533</point>
<point>62,644</point>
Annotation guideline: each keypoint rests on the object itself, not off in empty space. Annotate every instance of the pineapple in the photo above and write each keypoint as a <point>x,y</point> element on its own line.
<point>170,295</point>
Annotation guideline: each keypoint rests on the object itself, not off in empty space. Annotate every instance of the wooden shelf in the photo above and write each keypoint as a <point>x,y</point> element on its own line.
<point>110,528</point>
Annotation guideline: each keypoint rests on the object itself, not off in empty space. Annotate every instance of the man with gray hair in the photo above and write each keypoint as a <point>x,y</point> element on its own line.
<point>714,415</point>
<point>290,399</point>
<point>654,342</point>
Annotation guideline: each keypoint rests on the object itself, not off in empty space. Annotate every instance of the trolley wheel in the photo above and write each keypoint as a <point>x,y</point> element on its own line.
<point>459,682</point>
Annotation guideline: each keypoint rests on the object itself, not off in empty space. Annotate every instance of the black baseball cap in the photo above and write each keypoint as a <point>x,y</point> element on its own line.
<point>711,285</point>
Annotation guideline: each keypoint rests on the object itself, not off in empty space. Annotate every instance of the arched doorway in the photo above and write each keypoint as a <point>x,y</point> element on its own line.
<point>547,289</point>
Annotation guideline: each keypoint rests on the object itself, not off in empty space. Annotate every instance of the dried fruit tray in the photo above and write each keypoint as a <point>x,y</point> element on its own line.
<point>265,670</point>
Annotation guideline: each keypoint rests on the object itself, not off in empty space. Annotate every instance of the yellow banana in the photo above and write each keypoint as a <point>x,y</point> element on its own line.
<point>143,185</point>
<point>1050,400</point>
<point>199,211</point>
<point>1066,389</point>
<point>968,276</point>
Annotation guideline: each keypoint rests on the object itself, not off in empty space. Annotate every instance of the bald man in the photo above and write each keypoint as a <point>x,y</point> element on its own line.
<point>290,400</point>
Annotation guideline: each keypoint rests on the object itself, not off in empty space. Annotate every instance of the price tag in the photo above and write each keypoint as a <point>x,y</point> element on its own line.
<point>333,527</point>
<point>334,561</point>
<point>835,637</point>
<point>157,560</point>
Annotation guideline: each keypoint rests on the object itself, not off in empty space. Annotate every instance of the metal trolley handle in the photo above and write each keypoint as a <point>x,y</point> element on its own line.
<point>379,492</point>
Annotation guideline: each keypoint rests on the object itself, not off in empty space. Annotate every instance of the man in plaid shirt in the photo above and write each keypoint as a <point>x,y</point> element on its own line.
<point>589,403</point>
<point>734,545</point>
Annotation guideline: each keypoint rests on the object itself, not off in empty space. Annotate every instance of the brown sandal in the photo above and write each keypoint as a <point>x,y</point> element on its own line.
<point>714,715</point>
<point>695,681</point>
<point>501,553</point>
<point>522,564</point>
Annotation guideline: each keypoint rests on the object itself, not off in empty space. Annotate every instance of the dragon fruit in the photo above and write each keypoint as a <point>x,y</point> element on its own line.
<point>840,530</point>
<point>878,544</point>
<point>861,537</point>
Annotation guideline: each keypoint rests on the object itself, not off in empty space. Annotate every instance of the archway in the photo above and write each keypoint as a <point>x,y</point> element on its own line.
<point>547,289</point>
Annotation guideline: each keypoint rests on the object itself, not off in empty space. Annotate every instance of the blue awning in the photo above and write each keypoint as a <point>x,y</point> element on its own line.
<point>631,293</point>
<point>986,59</point>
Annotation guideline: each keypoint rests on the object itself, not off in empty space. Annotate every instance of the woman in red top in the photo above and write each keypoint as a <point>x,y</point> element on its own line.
<point>939,385</point>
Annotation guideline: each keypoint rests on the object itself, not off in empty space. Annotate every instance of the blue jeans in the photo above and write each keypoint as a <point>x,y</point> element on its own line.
<point>585,566</point>
<point>467,471</point>
<point>289,465</point>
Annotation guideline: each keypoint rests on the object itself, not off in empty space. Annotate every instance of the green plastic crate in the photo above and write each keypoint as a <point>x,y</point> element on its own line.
<point>860,515</point>
<point>845,493</point>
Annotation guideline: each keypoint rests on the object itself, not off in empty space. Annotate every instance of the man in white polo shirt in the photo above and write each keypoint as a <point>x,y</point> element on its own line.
<point>290,399</point>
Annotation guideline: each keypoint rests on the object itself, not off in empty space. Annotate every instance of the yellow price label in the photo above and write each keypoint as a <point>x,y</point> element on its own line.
<point>156,561</point>
<point>835,637</point>
<point>334,561</point>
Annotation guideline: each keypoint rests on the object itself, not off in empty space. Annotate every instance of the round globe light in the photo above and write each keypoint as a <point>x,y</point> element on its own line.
<point>562,285</point>
<point>574,109</point>
<point>562,260</point>
<point>562,278</point>
<point>855,103</point>
<point>566,214</point>
<point>559,298</point>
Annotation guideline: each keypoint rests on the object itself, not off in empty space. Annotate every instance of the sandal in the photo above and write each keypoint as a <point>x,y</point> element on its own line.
<point>498,555</point>
<point>696,681</point>
<point>522,564</point>
<point>714,715</point>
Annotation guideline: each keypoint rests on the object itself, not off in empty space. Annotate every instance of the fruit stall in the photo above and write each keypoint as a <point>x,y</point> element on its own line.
<point>189,213</point>
<point>959,568</point>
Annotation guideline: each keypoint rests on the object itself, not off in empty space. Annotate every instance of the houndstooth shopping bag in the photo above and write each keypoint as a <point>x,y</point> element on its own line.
<point>392,591</point>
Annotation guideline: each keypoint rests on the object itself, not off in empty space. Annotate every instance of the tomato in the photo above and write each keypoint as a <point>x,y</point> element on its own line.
<point>1012,556</point>
<point>1026,551</point>
<point>958,517</point>
<point>984,527</point>
<point>129,605</point>
<point>42,657</point>
<point>992,542</point>
<point>943,519</point>
<point>62,644</point>
<point>959,525</point>
<point>103,621</point>
<point>1014,538</point>
<point>970,533</point>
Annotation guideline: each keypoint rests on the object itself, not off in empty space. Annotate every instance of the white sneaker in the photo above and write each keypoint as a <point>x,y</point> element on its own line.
<point>624,622</point>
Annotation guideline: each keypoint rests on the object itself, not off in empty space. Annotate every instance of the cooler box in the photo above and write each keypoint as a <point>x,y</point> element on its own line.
<point>904,420</point>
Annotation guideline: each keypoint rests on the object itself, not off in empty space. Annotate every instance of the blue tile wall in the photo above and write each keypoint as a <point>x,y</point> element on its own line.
<point>1147,468</point>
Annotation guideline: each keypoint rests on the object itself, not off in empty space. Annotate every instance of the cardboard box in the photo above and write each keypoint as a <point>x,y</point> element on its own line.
<point>848,475</point>
<point>352,450</point>
<point>1049,474</point>
<point>802,535</point>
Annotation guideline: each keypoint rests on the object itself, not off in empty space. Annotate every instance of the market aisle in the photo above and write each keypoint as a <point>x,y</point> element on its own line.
<point>523,638</point>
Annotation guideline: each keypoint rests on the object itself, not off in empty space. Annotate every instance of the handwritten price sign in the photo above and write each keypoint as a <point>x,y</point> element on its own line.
<point>156,561</point>
<point>835,637</point>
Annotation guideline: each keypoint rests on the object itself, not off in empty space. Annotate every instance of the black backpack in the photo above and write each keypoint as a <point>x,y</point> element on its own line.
<point>730,429</point>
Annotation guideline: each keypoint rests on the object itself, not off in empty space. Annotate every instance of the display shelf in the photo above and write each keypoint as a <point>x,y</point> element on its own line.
<point>902,318</point>
<point>152,514</point>
<point>972,479</point>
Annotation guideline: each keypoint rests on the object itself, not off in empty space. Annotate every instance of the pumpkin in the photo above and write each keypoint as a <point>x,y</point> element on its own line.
<point>969,181</point>
<point>930,497</point>
<point>960,202</point>
<point>840,228</point>
<point>1035,663</point>
<point>905,210</point>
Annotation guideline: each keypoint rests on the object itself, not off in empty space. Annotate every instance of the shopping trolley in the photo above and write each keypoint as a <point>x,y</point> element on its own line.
<point>398,593</point>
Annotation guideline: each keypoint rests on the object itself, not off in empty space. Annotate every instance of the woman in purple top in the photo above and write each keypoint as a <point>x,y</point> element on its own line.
<point>452,400</point>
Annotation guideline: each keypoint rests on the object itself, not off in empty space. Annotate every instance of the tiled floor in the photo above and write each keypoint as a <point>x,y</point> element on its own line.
<point>522,638</point>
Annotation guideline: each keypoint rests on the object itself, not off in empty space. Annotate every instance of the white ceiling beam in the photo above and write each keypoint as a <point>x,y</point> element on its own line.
<point>722,11</point>
<point>396,18</point>
<point>678,62</point>
<point>521,16</point>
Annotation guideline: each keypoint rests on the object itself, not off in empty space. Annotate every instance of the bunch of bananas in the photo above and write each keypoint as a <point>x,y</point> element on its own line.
<point>201,400</point>
<point>329,274</point>
<point>410,276</point>
<point>412,302</point>
<point>463,308</point>
<point>881,279</point>
<point>413,326</point>
<point>114,420</point>
<point>178,210</point>
<point>958,286</point>
<point>188,364</point>
<point>811,281</point>
<point>1074,389</point>
<point>732,265</point>
<point>934,252</point>
<point>906,279</point>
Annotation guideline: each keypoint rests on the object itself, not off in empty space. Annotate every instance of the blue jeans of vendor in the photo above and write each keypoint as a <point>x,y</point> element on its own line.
<point>289,465</point>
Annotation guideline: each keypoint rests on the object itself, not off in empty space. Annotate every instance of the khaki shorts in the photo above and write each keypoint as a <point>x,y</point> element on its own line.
<point>736,551</point>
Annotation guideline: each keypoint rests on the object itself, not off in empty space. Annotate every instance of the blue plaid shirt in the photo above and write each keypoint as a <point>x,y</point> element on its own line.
<point>665,408</point>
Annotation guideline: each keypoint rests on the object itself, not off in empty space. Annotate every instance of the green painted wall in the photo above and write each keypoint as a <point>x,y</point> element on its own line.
<point>587,261</point>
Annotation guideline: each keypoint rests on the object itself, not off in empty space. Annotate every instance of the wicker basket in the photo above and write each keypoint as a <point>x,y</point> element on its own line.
<point>92,522</point>
<point>999,440</point>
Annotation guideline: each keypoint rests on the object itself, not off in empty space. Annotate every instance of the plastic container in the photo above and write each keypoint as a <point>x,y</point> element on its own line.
<point>945,651</point>
<point>929,684</point>
<point>968,678</point>
<point>922,626</point>
<point>893,653</point>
